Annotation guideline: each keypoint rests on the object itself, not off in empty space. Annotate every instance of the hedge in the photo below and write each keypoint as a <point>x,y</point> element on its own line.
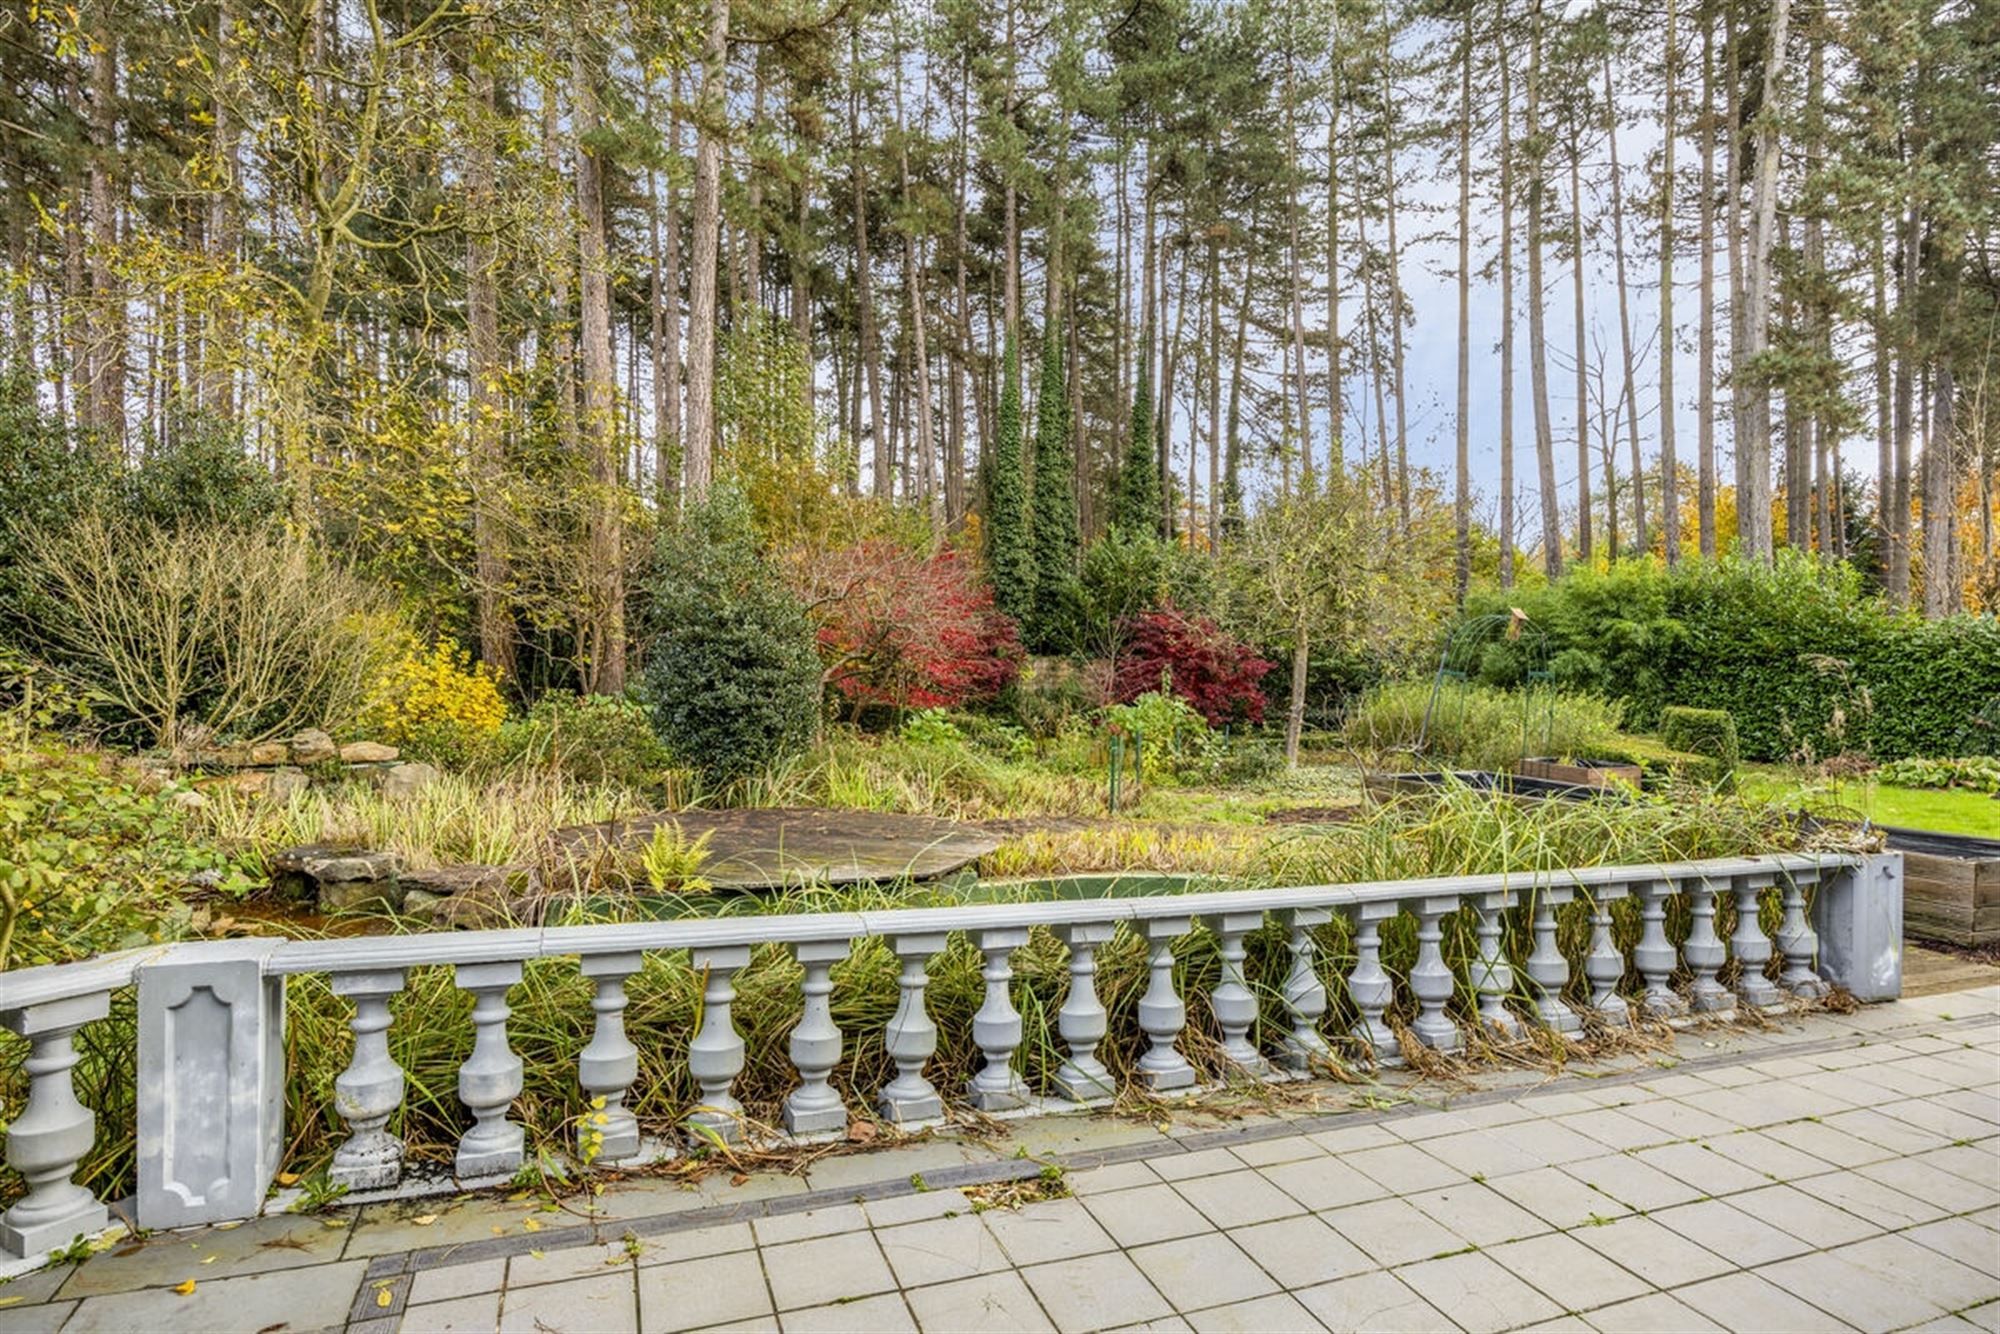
<point>1804,661</point>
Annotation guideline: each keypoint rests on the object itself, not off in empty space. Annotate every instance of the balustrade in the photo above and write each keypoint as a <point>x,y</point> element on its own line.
<point>1314,1015</point>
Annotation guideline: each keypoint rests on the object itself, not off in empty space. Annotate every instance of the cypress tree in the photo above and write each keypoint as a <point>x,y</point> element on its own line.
<point>1009,556</point>
<point>1054,508</point>
<point>1136,506</point>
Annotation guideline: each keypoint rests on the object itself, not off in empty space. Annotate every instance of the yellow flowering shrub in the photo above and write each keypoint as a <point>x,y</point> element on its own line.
<point>436,689</point>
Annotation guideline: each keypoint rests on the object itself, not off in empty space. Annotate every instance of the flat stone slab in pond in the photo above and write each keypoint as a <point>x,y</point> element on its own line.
<point>775,848</point>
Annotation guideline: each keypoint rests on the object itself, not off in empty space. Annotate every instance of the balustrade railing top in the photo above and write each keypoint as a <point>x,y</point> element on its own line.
<point>211,1014</point>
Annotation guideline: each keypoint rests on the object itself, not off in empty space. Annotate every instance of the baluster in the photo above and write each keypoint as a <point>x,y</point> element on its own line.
<point>369,1091</point>
<point>1797,940</point>
<point>996,1029</point>
<point>490,1079</point>
<point>1082,1021</point>
<point>715,1055</point>
<point>1547,969</point>
<point>1654,954</point>
<point>1705,954</point>
<point>53,1132</point>
<point>1605,964</point>
<point>912,1037</point>
<point>1750,945</point>
<point>1233,1005</point>
<point>1162,1015</point>
<point>1492,974</point>
<point>1371,988</point>
<point>607,1067</point>
<point>1305,995</point>
<point>813,1107</point>
<point>1431,980</point>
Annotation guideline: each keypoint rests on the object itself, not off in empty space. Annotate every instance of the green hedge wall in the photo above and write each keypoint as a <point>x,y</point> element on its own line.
<point>1804,661</point>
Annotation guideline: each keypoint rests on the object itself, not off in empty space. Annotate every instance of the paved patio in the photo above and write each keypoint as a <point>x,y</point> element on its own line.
<point>1833,1172</point>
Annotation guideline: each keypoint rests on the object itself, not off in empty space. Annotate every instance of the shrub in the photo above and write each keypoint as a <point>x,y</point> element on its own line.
<point>46,484</point>
<point>187,636</point>
<point>202,476</point>
<point>1195,659</point>
<point>906,630</point>
<point>434,694</point>
<point>591,738</point>
<point>1709,732</point>
<point>1049,694</point>
<point>1175,740</point>
<point>731,671</point>
<point>89,861</point>
<point>1797,653</point>
<point>1126,572</point>
<point>1479,727</point>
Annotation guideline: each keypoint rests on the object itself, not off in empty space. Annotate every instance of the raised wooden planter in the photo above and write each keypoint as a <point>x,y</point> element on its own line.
<point>1951,886</point>
<point>1583,773</point>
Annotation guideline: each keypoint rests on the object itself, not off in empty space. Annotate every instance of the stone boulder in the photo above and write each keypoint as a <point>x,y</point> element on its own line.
<point>368,752</point>
<point>312,746</point>
<point>338,879</point>
<point>471,897</point>
<point>269,754</point>
<point>399,781</point>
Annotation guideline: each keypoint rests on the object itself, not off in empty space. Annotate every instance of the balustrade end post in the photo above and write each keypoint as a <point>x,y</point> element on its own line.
<point>211,1082</point>
<point>1858,916</point>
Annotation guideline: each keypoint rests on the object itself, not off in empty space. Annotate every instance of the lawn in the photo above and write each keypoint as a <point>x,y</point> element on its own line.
<point>1945,811</point>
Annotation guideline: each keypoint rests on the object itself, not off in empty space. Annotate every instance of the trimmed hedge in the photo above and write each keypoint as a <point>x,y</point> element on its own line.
<point>1803,660</point>
<point>1709,732</point>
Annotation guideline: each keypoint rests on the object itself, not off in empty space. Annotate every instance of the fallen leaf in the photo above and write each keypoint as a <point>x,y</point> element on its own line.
<point>499,1231</point>
<point>209,1260</point>
<point>288,1178</point>
<point>539,1255</point>
<point>185,1289</point>
<point>740,1179</point>
<point>531,1225</point>
<point>232,1223</point>
<point>333,1222</point>
<point>860,1132</point>
<point>424,1220</point>
<point>383,1298</point>
<point>9,1301</point>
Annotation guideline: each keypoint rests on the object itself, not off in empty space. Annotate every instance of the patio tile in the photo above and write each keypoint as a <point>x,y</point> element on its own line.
<point>1892,1133</point>
<point>693,1243</point>
<point>1827,1144</point>
<point>1949,1115</point>
<point>1377,1302</point>
<point>476,1314</point>
<point>826,1269</point>
<point>1110,1177</point>
<point>305,1298</point>
<point>1954,1192</point>
<point>1284,1149</point>
<point>1479,1213</point>
<point>1745,1301</point>
<point>1477,1293</point>
<point>1236,1198</point>
<point>570,1262</point>
<point>1614,1129</point>
<point>1869,1199</point>
<point>1739,1237</point>
<point>705,1291</point>
<point>1807,1217</point>
<point>1299,1252</point>
<point>1048,1230</point>
<point>1679,1120</point>
<point>1401,1168</point>
<point>782,1228</point>
<point>1656,1313</point>
<point>1651,1251</point>
<point>1150,1213</point>
<point>1476,1153</point>
<point>884,1312</point>
<point>1633,1182</point>
<point>1560,1199</point>
<point>1325,1183</point>
<point>1261,1315</point>
<point>1095,1292</point>
<point>1882,1283</point>
<point>940,1250</point>
<point>603,1304</point>
<point>165,1258</point>
<point>1963,1240</point>
<point>1202,1162</point>
<point>1701,1167</point>
<point>1575,1277</point>
<point>914,1208</point>
<point>1770,1159</point>
<point>1353,1139</point>
<point>1000,1303</point>
<point>1194,1272</point>
<point>443,1284</point>
<point>1393,1232</point>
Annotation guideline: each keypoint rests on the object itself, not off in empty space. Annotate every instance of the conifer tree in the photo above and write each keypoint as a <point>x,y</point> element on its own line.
<point>1009,556</point>
<point>1054,505</point>
<point>1136,506</point>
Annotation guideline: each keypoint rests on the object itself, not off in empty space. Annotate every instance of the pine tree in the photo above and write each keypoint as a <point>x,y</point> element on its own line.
<point>1009,556</point>
<point>1054,506</point>
<point>1136,506</point>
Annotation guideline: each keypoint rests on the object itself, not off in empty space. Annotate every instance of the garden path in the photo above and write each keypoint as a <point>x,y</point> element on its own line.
<point>1826,1171</point>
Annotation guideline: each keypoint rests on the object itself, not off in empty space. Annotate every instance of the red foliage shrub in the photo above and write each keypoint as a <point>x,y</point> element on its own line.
<point>909,630</point>
<point>1213,671</point>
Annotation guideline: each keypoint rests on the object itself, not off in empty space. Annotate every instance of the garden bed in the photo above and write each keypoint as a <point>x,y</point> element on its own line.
<point>1951,886</point>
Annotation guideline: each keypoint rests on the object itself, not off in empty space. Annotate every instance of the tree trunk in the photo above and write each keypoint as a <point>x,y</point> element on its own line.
<point>1754,452</point>
<point>108,369</point>
<point>1538,346</point>
<point>1705,338</point>
<point>1295,713</point>
<point>1670,481</point>
<point>1395,321</point>
<point>1506,202</point>
<point>604,611</point>
<point>1462,497</point>
<point>668,300</point>
<point>1940,498</point>
<point>1631,385</point>
<point>1336,412</point>
<point>710,126</point>
<point>485,406</point>
<point>1584,549</point>
<point>1897,490</point>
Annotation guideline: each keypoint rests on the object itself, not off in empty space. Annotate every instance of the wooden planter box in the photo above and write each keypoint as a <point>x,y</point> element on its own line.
<point>1583,773</point>
<point>1952,896</point>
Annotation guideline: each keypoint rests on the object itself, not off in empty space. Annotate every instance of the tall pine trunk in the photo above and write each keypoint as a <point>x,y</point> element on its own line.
<point>604,611</point>
<point>1538,344</point>
<point>707,227</point>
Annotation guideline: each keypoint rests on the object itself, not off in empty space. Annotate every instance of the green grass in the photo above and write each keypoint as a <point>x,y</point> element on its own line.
<point>1941,810</point>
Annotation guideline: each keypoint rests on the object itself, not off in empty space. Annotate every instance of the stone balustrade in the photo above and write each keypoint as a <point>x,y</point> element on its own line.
<point>211,1032</point>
